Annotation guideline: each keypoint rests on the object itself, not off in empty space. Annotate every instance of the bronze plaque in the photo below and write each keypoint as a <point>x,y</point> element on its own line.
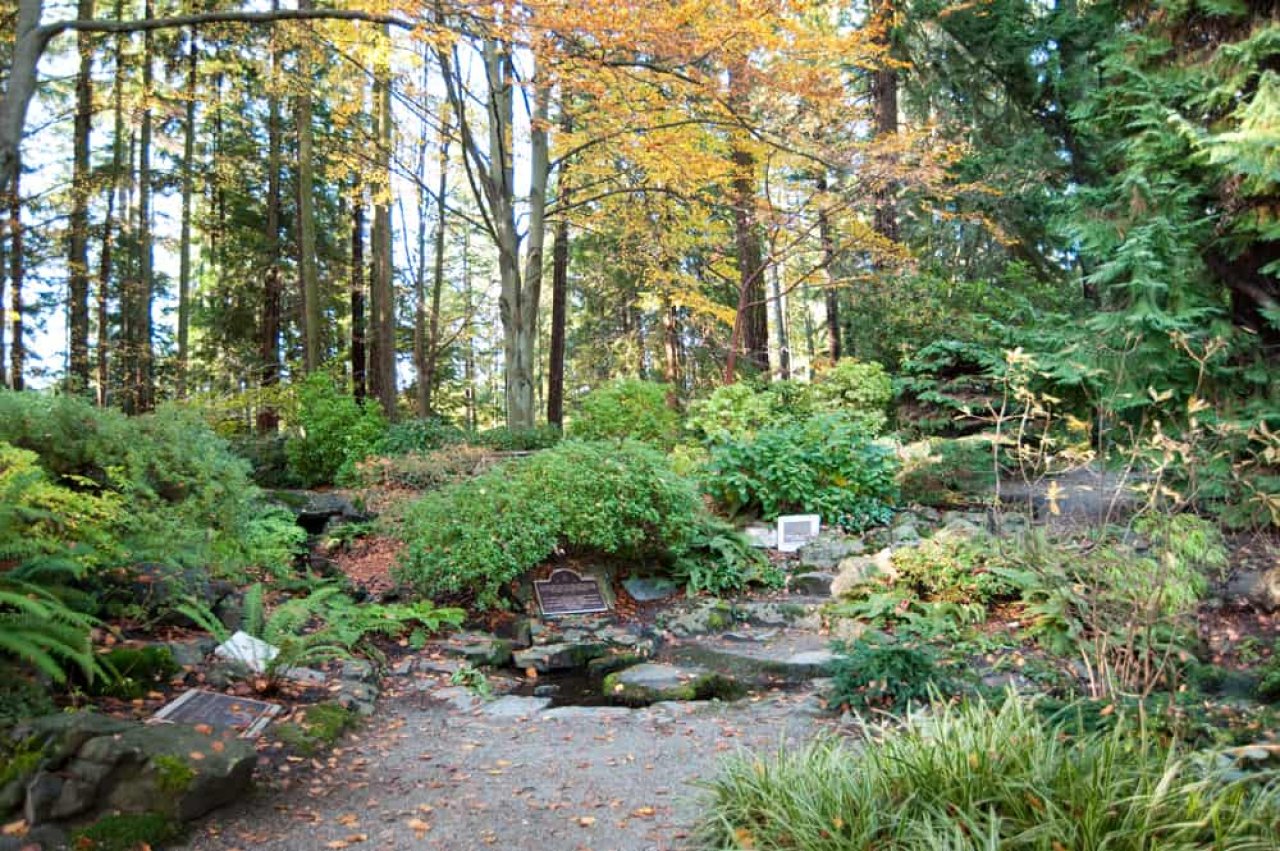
<point>566,592</point>
<point>221,711</point>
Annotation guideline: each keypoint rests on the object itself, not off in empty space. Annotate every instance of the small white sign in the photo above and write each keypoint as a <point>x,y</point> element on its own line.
<point>796,530</point>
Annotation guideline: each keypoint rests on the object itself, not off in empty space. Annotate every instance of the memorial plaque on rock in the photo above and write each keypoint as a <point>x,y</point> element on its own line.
<point>796,530</point>
<point>567,592</point>
<point>220,711</point>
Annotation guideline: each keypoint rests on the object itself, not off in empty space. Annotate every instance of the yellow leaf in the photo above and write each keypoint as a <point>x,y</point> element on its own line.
<point>744,838</point>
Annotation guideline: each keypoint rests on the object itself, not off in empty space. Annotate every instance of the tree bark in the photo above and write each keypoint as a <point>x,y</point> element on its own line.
<point>382,295</point>
<point>437,275</point>
<point>141,395</point>
<point>268,420</point>
<point>78,224</point>
<point>188,187</point>
<point>114,202</point>
<point>359,362</point>
<point>884,96</point>
<point>832,294</point>
<point>559,320</point>
<point>312,316</point>
<point>494,184</point>
<point>17,345</point>
<point>781,333</point>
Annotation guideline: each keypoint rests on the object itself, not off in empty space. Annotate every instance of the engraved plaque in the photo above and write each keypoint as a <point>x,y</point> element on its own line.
<point>566,592</point>
<point>796,530</point>
<point>221,711</point>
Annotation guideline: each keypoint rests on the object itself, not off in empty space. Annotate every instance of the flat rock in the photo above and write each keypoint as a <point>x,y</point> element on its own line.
<point>649,589</point>
<point>559,657</point>
<point>479,650</point>
<point>825,551</point>
<point>654,682</point>
<point>458,697</point>
<point>514,706</point>
<point>584,713</point>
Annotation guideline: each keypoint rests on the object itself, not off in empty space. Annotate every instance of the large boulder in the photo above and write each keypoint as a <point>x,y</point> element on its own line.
<point>829,549</point>
<point>860,570</point>
<point>561,656</point>
<point>1255,589</point>
<point>91,764</point>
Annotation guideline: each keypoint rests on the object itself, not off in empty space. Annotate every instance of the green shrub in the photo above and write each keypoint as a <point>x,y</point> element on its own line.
<point>470,539</point>
<point>421,470</point>
<point>718,559</point>
<point>736,412</point>
<point>334,431</point>
<point>952,569</point>
<point>825,465</point>
<point>503,439</point>
<point>878,672</point>
<point>419,435</point>
<point>970,777</point>
<point>188,497</point>
<point>949,472</point>
<point>860,390</point>
<point>627,408</point>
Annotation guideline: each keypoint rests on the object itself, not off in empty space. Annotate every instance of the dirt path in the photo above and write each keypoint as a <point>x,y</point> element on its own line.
<point>427,775</point>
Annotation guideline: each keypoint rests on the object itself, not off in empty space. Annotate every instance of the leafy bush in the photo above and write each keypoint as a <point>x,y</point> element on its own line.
<point>470,539</point>
<point>334,431</point>
<point>970,777</point>
<point>949,472</point>
<point>720,560</point>
<point>878,672</point>
<point>860,390</point>
<point>419,435</point>
<point>1130,616</point>
<point>825,465</point>
<point>952,569</point>
<point>421,470</point>
<point>503,439</point>
<point>189,497</point>
<point>944,384</point>
<point>627,408</point>
<point>735,412</point>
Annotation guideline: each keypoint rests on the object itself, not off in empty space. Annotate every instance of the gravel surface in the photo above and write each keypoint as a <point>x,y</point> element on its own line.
<point>424,774</point>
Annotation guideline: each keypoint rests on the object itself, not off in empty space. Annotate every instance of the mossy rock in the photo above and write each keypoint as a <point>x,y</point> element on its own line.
<point>613,662</point>
<point>649,683</point>
<point>128,832</point>
<point>319,729</point>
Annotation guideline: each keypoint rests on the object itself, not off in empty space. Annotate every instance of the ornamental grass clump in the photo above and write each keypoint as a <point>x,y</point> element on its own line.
<point>974,777</point>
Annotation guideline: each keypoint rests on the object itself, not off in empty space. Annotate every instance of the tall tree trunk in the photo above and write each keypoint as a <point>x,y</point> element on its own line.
<point>78,225</point>
<point>141,396</point>
<point>268,419</point>
<point>18,343</point>
<point>781,333</point>
<point>20,87</point>
<point>751,324</point>
<point>832,294</point>
<point>559,319</point>
<point>359,362</point>
<point>437,274</point>
<point>670,347</point>
<point>188,186</point>
<point>422,395</point>
<point>382,383</point>
<point>469,356</point>
<point>312,314</point>
<point>114,201</point>
<point>520,291</point>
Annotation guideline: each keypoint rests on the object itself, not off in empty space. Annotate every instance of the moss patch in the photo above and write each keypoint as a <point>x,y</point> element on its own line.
<point>127,832</point>
<point>137,670</point>
<point>173,774</point>
<point>320,727</point>
<point>708,686</point>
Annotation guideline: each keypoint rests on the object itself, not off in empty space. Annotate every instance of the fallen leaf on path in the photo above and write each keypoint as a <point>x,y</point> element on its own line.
<point>586,821</point>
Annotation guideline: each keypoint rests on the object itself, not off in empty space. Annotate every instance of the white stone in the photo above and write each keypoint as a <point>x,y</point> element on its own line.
<point>253,652</point>
<point>763,537</point>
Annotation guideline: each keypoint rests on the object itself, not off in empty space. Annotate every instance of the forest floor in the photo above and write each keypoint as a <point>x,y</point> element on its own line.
<point>428,774</point>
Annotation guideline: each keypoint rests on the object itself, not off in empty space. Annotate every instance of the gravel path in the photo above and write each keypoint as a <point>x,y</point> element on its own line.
<point>424,774</point>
